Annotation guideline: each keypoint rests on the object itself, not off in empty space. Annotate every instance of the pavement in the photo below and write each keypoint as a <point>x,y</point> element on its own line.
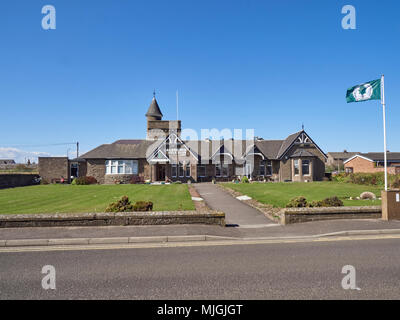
<point>295,270</point>
<point>10,237</point>
<point>236,212</point>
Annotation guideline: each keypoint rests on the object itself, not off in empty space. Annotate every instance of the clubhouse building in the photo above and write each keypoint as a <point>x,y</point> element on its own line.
<point>163,156</point>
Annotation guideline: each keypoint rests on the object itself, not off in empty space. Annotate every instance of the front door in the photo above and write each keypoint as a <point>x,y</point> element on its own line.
<point>160,172</point>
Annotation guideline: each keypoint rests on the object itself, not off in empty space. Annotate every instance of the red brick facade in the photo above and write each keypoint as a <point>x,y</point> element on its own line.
<point>362,165</point>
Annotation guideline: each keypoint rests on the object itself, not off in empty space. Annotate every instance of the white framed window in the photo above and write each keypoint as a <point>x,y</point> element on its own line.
<point>188,170</point>
<point>266,168</point>
<point>181,171</point>
<point>262,168</point>
<point>296,167</point>
<point>122,167</point>
<point>305,167</point>
<point>174,171</point>
<point>269,168</point>
<point>201,171</point>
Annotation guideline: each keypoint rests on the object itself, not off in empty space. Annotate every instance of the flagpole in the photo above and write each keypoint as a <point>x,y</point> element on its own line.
<point>384,127</point>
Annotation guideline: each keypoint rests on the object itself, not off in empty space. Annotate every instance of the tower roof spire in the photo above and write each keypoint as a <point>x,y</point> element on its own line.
<point>154,109</point>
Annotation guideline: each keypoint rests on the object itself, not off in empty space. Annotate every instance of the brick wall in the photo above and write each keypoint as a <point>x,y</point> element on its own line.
<point>161,128</point>
<point>96,168</point>
<point>54,168</point>
<point>365,166</point>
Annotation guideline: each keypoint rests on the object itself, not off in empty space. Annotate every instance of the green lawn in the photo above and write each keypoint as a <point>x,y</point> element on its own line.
<point>91,198</point>
<point>279,194</point>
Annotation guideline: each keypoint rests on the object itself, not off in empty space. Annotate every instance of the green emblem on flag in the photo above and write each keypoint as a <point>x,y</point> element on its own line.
<point>363,92</point>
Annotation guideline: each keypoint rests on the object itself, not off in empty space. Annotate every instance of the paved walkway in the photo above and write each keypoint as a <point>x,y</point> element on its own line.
<point>291,230</point>
<point>236,212</point>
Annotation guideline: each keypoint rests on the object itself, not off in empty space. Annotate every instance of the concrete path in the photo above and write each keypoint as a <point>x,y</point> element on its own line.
<point>315,228</point>
<point>236,212</point>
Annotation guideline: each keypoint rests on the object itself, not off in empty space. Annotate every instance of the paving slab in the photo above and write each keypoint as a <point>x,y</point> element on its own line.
<point>147,239</point>
<point>26,242</point>
<point>109,240</point>
<point>186,238</point>
<point>67,241</point>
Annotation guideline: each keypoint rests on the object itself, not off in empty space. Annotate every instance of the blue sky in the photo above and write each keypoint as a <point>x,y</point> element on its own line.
<point>264,65</point>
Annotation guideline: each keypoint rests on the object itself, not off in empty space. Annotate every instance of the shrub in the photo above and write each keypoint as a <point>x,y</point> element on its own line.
<point>122,205</point>
<point>313,204</point>
<point>301,202</point>
<point>341,177</point>
<point>395,184</point>
<point>84,180</point>
<point>245,180</point>
<point>43,181</point>
<point>331,202</point>
<point>298,202</point>
<point>376,178</point>
<point>143,206</point>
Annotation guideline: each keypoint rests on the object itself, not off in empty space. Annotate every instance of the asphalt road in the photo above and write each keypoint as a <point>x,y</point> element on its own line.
<point>309,270</point>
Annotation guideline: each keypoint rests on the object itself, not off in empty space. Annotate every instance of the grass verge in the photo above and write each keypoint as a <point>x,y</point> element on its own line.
<point>279,194</point>
<point>91,198</point>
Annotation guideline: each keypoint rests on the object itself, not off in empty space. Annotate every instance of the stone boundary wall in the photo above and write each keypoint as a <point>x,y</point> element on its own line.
<point>11,180</point>
<point>295,215</point>
<point>111,219</point>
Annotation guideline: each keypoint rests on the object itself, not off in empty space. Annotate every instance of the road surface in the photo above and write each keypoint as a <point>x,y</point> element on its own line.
<point>298,270</point>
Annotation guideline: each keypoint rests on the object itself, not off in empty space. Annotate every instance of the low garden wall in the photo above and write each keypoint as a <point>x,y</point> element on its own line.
<point>295,215</point>
<point>11,180</point>
<point>111,219</point>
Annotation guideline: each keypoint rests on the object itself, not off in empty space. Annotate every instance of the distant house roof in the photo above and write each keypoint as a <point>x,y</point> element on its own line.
<point>7,161</point>
<point>342,155</point>
<point>377,156</point>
